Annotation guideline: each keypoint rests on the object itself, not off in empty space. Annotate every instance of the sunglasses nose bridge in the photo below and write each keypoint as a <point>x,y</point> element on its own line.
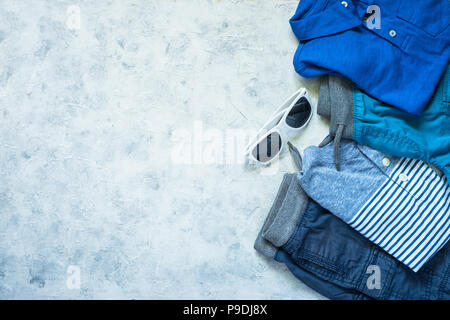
<point>286,124</point>
<point>284,131</point>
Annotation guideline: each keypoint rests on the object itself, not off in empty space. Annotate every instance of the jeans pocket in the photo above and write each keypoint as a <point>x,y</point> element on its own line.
<point>322,267</point>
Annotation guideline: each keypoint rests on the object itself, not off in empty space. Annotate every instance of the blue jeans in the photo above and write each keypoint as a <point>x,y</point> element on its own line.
<point>336,261</point>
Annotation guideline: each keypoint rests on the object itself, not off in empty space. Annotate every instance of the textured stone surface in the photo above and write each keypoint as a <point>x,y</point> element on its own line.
<point>90,115</point>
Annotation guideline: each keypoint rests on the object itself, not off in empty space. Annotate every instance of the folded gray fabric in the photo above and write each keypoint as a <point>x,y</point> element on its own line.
<point>324,103</point>
<point>336,104</point>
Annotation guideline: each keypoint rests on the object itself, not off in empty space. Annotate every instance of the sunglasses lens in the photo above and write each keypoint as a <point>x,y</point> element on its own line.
<point>268,148</point>
<point>299,113</point>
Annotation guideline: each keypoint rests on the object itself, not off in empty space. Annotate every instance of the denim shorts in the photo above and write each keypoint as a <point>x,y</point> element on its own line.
<point>335,260</point>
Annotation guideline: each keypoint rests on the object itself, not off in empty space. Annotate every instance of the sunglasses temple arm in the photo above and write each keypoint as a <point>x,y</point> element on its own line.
<point>295,155</point>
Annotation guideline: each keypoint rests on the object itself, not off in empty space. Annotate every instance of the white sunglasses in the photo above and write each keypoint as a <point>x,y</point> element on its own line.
<point>289,119</point>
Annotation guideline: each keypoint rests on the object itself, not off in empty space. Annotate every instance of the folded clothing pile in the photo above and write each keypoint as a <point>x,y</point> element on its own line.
<point>335,260</point>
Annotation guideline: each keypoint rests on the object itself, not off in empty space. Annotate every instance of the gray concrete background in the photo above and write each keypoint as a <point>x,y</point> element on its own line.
<point>93,119</point>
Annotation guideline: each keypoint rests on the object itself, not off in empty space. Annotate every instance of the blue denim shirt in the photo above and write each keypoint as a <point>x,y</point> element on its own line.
<point>400,63</point>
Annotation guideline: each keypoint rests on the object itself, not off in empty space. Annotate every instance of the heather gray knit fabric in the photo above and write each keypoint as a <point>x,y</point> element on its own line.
<point>336,104</point>
<point>324,103</point>
<point>283,217</point>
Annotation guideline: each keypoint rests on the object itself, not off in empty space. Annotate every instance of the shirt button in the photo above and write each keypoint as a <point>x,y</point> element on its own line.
<point>344,3</point>
<point>403,177</point>
<point>392,33</point>
<point>386,162</point>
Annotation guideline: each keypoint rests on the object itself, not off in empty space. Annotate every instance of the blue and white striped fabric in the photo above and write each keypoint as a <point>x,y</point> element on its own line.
<point>413,225</point>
